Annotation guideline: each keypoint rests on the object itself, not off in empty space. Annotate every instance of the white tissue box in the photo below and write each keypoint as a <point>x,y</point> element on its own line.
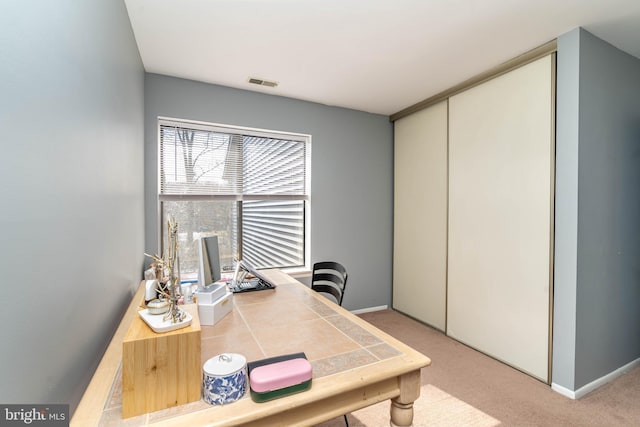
<point>210,314</point>
<point>211,293</point>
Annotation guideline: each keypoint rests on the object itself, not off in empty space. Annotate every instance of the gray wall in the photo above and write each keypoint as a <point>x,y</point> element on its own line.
<point>352,172</point>
<point>600,299</point>
<point>71,114</point>
<point>566,206</point>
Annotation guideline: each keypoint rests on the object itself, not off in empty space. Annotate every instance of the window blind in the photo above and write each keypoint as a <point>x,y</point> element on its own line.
<point>201,162</point>
<point>267,173</point>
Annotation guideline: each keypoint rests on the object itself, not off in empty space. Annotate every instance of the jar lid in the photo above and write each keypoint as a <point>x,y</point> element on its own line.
<point>224,364</point>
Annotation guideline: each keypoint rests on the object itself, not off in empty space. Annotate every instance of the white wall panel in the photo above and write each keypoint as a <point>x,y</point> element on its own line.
<point>500,211</point>
<point>420,215</point>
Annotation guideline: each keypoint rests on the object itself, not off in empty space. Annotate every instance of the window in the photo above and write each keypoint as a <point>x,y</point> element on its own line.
<point>249,187</point>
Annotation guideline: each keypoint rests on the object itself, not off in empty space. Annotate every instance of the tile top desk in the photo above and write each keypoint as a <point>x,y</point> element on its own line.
<point>354,364</point>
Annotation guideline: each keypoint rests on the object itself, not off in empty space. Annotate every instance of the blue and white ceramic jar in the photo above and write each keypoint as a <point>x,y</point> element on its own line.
<point>224,378</point>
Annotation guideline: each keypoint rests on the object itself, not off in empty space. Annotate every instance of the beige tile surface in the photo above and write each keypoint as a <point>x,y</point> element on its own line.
<point>317,338</point>
<point>265,315</point>
<point>242,343</point>
<point>270,323</point>
<point>231,324</point>
<point>342,362</point>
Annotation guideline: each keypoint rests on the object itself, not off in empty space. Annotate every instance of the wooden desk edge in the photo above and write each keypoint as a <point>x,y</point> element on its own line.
<point>89,411</point>
<point>360,322</point>
<point>355,392</point>
<point>97,392</point>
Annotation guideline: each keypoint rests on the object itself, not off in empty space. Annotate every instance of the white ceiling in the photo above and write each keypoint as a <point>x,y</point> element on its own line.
<point>378,56</point>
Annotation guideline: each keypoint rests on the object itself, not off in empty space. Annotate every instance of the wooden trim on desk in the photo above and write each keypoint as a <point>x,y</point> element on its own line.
<point>332,395</point>
<point>97,393</point>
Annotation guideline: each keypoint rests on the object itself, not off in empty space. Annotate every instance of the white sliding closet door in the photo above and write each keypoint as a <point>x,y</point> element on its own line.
<point>500,216</point>
<point>420,215</point>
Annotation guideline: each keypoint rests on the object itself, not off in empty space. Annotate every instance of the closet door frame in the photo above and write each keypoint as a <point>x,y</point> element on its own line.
<point>549,48</point>
<point>486,304</point>
<point>420,218</point>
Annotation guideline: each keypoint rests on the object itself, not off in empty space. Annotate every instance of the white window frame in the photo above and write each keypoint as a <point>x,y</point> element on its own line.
<point>225,128</point>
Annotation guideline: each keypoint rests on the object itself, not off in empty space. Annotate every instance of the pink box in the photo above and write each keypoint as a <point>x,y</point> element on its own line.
<point>280,375</point>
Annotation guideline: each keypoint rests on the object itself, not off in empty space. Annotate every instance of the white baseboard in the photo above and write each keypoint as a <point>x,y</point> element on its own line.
<point>588,388</point>
<point>370,309</point>
<point>563,391</point>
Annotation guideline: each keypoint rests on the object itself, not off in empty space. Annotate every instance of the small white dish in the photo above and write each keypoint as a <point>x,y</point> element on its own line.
<point>158,306</point>
<point>159,325</point>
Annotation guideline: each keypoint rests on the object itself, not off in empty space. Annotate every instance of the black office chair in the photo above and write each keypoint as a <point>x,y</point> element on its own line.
<point>330,278</point>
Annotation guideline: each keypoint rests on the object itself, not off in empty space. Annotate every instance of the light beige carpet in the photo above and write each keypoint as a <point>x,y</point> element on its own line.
<point>434,408</point>
<point>464,387</point>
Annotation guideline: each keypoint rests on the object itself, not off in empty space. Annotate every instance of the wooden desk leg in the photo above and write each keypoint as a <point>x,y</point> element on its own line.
<point>402,406</point>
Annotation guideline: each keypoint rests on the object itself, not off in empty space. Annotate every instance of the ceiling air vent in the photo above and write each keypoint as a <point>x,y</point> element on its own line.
<point>262,82</point>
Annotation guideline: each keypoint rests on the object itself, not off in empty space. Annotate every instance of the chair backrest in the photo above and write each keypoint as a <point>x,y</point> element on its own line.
<point>329,278</point>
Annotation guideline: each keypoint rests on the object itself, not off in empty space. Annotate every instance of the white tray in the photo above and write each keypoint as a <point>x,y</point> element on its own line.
<point>158,325</point>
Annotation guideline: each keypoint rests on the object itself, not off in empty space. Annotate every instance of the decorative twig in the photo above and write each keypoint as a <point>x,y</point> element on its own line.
<point>170,276</point>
